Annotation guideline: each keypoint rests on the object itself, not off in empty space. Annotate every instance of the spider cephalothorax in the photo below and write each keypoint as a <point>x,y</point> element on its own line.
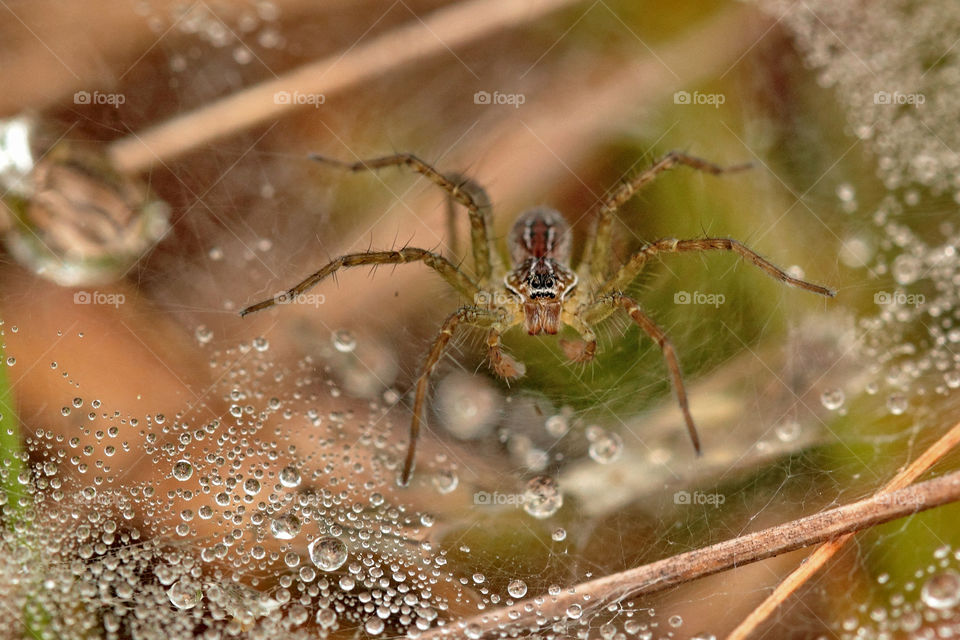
<point>540,251</point>
<point>541,292</point>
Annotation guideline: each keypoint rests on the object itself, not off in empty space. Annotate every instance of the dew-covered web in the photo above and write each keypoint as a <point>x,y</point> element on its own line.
<point>188,473</point>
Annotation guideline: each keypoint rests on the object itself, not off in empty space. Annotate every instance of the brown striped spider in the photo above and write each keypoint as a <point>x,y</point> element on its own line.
<point>540,291</point>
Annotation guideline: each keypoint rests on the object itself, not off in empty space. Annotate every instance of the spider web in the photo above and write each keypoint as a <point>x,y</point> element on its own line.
<point>193,474</point>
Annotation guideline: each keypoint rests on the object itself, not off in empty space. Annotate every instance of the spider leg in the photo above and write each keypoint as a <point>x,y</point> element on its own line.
<point>447,270</point>
<point>579,350</point>
<point>503,364</point>
<point>596,255</point>
<point>471,315</point>
<point>465,191</point>
<point>632,267</point>
<point>606,305</point>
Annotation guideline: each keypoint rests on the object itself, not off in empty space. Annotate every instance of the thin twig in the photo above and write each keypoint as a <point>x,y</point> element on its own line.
<point>822,554</point>
<point>657,576</point>
<point>441,30</point>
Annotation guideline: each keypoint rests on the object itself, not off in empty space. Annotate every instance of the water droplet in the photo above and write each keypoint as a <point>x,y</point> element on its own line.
<point>897,403</point>
<point>286,527</point>
<point>517,588</point>
<point>203,334</point>
<point>606,447</point>
<point>290,476</point>
<point>251,486</point>
<point>344,341</point>
<point>542,497</point>
<point>473,631</point>
<point>559,534</point>
<point>788,431</point>
<point>328,553</point>
<point>832,399</point>
<point>941,591</point>
<point>445,480</point>
<point>675,621</point>
<point>182,470</point>
<point>906,269</point>
<point>261,344</point>
<point>374,626</point>
<point>326,618</point>
<point>574,611</point>
<point>183,595</point>
<point>557,425</point>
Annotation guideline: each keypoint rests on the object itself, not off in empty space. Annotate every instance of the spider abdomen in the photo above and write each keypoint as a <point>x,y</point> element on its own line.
<point>540,233</point>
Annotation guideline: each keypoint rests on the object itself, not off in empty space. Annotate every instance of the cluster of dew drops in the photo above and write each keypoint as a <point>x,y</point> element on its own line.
<point>163,526</point>
<point>925,605</point>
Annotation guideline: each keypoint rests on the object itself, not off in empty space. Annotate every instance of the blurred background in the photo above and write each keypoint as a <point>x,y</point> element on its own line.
<point>177,466</point>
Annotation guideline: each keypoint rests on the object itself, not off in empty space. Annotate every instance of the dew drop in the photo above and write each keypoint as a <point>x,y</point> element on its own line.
<point>374,626</point>
<point>286,527</point>
<point>184,596</point>
<point>203,334</point>
<point>559,534</point>
<point>251,486</point>
<point>344,341</point>
<point>182,470</point>
<point>574,611</point>
<point>261,344</point>
<point>832,399</point>
<point>788,431</point>
<point>906,269</point>
<point>542,497</point>
<point>328,553</point>
<point>606,447</point>
<point>897,403</point>
<point>445,480</point>
<point>557,425</point>
<point>941,591</point>
<point>517,588</point>
<point>290,477</point>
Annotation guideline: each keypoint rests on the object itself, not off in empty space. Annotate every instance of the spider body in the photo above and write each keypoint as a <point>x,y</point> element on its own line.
<point>541,291</point>
<point>541,279</point>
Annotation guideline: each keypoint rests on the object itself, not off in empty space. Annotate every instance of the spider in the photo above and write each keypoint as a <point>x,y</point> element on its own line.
<point>540,290</point>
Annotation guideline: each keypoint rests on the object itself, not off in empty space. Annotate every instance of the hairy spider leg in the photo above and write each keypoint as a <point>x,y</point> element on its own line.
<point>447,270</point>
<point>502,363</point>
<point>605,306</point>
<point>632,267</point>
<point>596,256</point>
<point>465,191</point>
<point>464,315</point>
